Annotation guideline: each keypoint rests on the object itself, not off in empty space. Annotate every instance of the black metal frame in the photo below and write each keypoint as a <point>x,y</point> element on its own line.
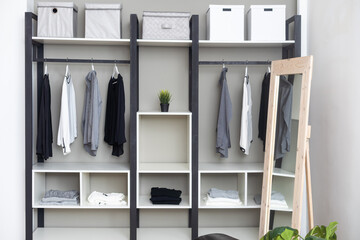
<point>34,52</point>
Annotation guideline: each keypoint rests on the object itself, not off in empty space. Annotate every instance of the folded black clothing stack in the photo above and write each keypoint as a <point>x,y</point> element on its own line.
<point>165,196</point>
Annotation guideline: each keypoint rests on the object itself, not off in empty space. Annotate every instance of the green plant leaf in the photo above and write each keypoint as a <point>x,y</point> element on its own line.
<point>330,231</point>
<point>281,233</point>
<point>313,238</point>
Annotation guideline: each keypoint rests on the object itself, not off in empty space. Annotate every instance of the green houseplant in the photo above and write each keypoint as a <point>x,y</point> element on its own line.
<point>317,233</point>
<point>164,98</point>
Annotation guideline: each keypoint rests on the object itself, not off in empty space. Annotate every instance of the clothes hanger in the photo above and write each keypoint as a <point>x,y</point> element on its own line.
<point>269,69</point>
<point>115,70</point>
<point>92,65</point>
<point>246,72</point>
<point>223,64</point>
<point>46,70</point>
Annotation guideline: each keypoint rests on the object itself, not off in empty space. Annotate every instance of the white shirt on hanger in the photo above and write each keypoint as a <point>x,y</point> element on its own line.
<point>67,124</point>
<point>246,137</point>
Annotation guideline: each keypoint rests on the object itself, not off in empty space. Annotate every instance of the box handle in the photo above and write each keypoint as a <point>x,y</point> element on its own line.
<point>226,9</point>
<point>268,9</point>
<point>166,26</point>
<point>54,10</point>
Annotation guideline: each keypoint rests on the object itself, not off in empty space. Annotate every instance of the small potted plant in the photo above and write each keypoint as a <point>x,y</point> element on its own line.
<point>164,98</point>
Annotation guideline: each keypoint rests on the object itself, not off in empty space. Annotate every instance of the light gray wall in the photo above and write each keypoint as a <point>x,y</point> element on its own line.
<point>334,41</point>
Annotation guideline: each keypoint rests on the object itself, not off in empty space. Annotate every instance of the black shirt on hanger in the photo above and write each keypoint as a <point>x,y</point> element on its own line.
<point>44,138</point>
<point>115,119</point>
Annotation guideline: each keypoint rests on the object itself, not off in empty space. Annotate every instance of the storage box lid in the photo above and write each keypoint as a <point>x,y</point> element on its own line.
<point>267,6</point>
<point>225,6</point>
<point>167,14</point>
<point>100,6</point>
<point>58,5</point>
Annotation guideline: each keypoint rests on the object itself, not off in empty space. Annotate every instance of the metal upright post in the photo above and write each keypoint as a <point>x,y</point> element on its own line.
<point>28,126</point>
<point>134,107</point>
<point>194,108</point>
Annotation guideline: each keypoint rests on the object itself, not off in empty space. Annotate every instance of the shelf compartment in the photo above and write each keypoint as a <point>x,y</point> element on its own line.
<point>282,219</point>
<point>254,187</point>
<point>224,181</point>
<point>164,142</point>
<point>81,167</point>
<point>44,181</point>
<point>163,233</point>
<point>106,183</point>
<point>81,41</point>
<point>248,233</point>
<point>81,233</point>
<point>231,167</point>
<point>178,181</point>
<point>245,44</point>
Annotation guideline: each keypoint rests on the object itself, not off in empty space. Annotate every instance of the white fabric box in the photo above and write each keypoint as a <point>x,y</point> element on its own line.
<point>166,25</point>
<point>266,22</point>
<point>102,20</point>
<point>57,19</point>
<point>225,23</point>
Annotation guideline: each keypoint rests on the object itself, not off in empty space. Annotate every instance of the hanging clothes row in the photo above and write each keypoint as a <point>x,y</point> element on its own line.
<point>283,127</point>
<point>90,121</point>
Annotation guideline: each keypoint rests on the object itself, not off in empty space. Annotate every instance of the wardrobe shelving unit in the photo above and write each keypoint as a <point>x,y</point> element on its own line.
<point>194,177</point>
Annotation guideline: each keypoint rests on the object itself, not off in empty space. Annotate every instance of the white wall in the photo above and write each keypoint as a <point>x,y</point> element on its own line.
<point>334,39</point>
<point>12,127</point>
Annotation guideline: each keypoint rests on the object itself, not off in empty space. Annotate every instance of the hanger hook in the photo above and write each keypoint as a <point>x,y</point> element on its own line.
<point>223,62</point>
<point>92,64</point>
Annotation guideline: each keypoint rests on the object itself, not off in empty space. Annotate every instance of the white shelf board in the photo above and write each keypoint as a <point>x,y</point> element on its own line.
<point>164,113</point>
<point>163,233</point>
<point>38,205</point>
<point>164,168</point>
<point>283,173</point>
<point>82,41</point>
<point>246,233</point>
<point>144,202</point>
<point>231,167</point>
<point>251,205</point>
<point>245,44</point>
<point>164,43</point>
<point>82,167</point>
<point>81,233</point>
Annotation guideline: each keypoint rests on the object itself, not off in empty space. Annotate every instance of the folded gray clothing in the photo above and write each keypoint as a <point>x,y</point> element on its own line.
<point>60,203</point>
<point>56,199</point>
<point>62,194</point>
<point>274,196</point>
<point>218,193</point>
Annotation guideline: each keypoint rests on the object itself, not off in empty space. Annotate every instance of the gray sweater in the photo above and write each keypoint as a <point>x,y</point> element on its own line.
<point>91,114</point>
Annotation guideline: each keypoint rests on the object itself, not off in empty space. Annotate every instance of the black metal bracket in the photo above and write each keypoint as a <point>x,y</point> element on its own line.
<point>69,60</point>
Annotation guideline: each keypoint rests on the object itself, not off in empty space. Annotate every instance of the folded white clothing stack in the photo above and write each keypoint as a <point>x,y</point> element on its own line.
<point>218,197</point>
<point>100,198</point>
<point>277,200</point>
<point>57,197</point>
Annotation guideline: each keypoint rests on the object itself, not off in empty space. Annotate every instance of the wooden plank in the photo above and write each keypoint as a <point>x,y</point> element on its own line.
<point>302,138</point>
<point>269,154</point>
<point>308,187</point>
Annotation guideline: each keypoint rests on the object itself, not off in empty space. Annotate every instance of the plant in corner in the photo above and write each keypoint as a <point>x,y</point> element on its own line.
<point>317,233</point>
<point>164,98</point>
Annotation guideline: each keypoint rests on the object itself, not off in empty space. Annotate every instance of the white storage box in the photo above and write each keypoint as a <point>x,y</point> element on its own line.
<point>57,19</point>
<point>166,25</point>
<point>102,20</point>
<point>266,22</point>
<point>225,23</point>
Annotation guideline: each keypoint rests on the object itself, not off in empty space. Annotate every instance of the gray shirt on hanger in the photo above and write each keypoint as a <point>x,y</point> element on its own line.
<point>224,117</point>
<point>283,123</point>
<point>91,115</point>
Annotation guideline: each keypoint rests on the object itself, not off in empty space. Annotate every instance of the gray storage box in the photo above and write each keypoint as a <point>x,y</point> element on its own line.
<point>57,19</point>
<point>102,20</point>
<point>166,25</point>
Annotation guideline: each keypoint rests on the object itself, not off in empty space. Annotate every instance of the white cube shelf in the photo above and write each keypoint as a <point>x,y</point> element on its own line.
<point>164,142</point>
<point>178,181</point>
<point>285,186</point>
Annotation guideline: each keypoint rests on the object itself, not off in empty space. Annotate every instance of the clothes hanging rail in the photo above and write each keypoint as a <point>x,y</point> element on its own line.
<point>69,60</point>
<point>234,62</point>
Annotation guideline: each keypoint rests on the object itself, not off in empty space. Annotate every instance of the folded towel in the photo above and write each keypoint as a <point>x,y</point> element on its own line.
<point>100,198</point>
<point>274,196</point>
<point>165,200</point>
<point>210,201</point>
<point>60,203</point>
<point>156,191</point>
<point>218,193</point>
<point>61,194</point>
<point>55,199</point>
